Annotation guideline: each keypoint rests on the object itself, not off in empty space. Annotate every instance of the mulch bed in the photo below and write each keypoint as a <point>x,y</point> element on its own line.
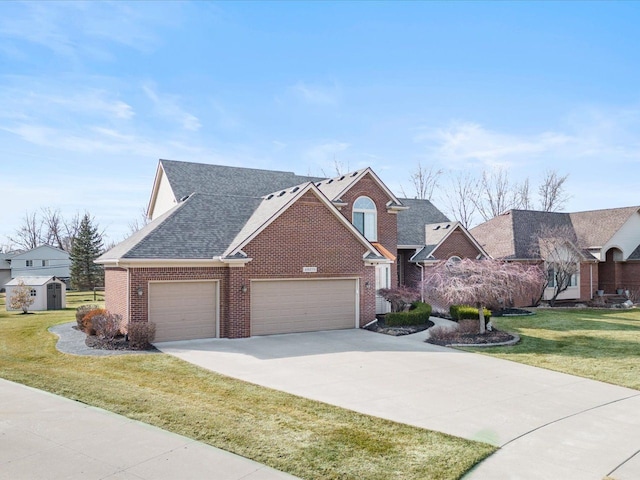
<point>380,327</point>
<point>118,343</point>
<point>495,336</point>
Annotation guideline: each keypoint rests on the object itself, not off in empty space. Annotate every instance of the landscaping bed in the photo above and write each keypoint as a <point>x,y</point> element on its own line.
<point>488,338</point>
<point>380,327</point>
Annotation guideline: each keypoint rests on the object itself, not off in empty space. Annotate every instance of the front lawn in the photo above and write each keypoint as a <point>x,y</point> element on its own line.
<point>594,343</point>
<point>305,438</point>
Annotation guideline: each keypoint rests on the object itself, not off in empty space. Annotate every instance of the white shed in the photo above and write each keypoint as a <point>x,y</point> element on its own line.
<point>49,293</point>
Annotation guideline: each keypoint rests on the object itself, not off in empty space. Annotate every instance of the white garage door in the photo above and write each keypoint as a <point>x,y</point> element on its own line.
<point>288,306</point>
<point>183,310</point>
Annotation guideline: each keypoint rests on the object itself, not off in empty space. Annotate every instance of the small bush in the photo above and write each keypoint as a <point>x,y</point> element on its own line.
<point>81,311</point>
<point>418,315</point>
<point>141,334</point>
<point>441,332</point>
<point>464,327</point>
<point>87,320</point>
<point>465,312</point>
<point>399,297</point>
<point>107,326</point>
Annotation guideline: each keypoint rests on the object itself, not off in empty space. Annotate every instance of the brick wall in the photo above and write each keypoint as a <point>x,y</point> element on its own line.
<point>457,244</point>
<point>387,222</point>
<point>307,235</point>
<point>140,277</point>
<point>630,276</point>
<point>115,291</point>
<point>588,280</point>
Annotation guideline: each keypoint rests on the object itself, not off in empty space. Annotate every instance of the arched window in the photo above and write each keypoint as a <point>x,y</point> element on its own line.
<point>454,259</point>
<point>365,218</point>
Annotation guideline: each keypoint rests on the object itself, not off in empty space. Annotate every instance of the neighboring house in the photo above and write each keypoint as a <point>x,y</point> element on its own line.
<point>48,292</point>
<point>234,252</point>
<point>607,244</point>
<point>44,261</point>
<point>426,236</point>
<point>5,270</point>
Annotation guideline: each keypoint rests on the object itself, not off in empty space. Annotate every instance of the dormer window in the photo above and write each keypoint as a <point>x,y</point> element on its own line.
<point>365,218</point>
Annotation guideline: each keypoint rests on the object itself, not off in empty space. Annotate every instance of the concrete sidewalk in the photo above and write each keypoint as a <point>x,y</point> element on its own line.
<point>548,424</point>
<point>44,436</point>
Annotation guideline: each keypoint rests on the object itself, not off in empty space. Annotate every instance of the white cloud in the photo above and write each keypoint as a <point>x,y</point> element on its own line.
<point>316,94</point>
<point>167,106</point>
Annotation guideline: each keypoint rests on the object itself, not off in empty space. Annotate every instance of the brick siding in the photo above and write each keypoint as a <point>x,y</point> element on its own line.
<point>457,244</point>
<point>115,291</point>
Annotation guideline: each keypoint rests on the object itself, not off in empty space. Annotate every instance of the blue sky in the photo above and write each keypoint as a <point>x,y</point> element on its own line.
<point>93,94</point>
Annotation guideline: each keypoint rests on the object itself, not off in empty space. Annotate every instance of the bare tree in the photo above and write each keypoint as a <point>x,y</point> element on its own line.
<point>139,222</point>
<point>496,195</point>
<point>459,201</point>
<point>29,234</point>
<point>53,228</point>
<point>522,196</point>
<point>425,181</point>
<point>551,191</point>
<point>480,283</point>
<point>557,247</point>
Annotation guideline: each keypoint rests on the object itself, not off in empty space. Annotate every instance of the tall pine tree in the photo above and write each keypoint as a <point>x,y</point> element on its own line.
<point>86,247</point>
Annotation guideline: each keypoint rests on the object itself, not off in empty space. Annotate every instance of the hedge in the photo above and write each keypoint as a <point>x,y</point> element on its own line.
<point>465,312</point>
<point>418,315</point>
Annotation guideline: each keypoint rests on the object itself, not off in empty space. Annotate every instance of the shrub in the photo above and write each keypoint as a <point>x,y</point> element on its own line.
<point>87,320</point>
<point>418,315</point>
<point>81,311</point>
<point>107,326</point>
<point>464,327</point>
<point>465,312</point>
<point>141,334</point>
<point>399,297</point>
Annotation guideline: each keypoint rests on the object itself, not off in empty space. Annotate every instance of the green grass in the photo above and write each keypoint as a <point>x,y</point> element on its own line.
<point>305,438</point>
<point>598,344</point>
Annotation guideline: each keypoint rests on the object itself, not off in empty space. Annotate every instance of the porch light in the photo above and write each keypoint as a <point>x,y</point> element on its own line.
<point>243,289</point>
<point>140,291</point>
<point>367,285</point>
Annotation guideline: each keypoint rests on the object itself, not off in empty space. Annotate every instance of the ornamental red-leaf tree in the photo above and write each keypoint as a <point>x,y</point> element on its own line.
<point>481,283</point>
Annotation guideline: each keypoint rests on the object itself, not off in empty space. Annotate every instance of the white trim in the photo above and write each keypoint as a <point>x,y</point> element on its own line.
<point>323,198</point>
<point>208,280</point>
<point>375,178</point>
<point>162,262</point>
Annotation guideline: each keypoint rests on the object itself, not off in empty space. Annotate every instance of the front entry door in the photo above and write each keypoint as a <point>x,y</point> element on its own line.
<point>383,280</point>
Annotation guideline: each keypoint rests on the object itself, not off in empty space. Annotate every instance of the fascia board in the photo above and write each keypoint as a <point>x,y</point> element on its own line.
<point>377,180</point>
<point>163,262</point>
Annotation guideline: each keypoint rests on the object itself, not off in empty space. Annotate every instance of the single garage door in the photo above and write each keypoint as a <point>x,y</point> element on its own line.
<point>183,310</point>
<point>288,306</point>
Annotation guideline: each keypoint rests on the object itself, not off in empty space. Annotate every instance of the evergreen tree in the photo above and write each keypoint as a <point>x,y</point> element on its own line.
<point>86,247</point>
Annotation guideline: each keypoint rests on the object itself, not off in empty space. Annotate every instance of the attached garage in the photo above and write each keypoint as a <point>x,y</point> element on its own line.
<point>290,306</point>
<point>183,310</point>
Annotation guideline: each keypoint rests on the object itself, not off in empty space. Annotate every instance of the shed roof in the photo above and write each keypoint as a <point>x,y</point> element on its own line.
<point>31,281</point>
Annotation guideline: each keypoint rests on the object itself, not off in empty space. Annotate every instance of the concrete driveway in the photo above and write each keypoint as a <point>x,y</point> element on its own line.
<point>548,424</point>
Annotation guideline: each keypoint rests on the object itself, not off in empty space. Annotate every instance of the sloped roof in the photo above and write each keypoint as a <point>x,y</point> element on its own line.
<point>201,227</point>
<point>635,255</point>
<point>512,234</point>
<point>30,281</point>
<point>411,222</point>
<point>59,253</point>
<point>186,178</point>
<point>595,228</point>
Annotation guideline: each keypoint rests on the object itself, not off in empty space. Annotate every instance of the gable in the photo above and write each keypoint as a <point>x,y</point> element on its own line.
<point>162,197</point>
<point>275,204</point>
<point>43,252</point>
<point>306,234</point>
<point>457,244</point>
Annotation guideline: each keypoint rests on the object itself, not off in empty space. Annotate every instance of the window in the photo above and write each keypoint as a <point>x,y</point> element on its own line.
<point>454,259</point>
<point>29,263</point>
<point>551,278</point>
<point>365,218</point>
<point>45,263</point>
<point>33,292</point>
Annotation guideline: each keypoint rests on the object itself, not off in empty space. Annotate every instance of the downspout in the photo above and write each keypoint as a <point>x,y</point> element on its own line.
<point>591,280</point>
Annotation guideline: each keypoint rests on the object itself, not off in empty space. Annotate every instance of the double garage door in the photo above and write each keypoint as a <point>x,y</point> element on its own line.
<point>188,310</point>
<point>289,306</point>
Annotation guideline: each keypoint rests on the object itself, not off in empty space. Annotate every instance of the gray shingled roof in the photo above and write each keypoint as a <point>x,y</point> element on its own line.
<point>512,234</point>
<point>186,178</point>
<point>201,227</point>
<point>411,222</point>
<point>635,255</point>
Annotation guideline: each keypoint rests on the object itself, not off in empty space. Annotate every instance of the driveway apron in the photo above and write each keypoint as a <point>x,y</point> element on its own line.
<point>548,424</point>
